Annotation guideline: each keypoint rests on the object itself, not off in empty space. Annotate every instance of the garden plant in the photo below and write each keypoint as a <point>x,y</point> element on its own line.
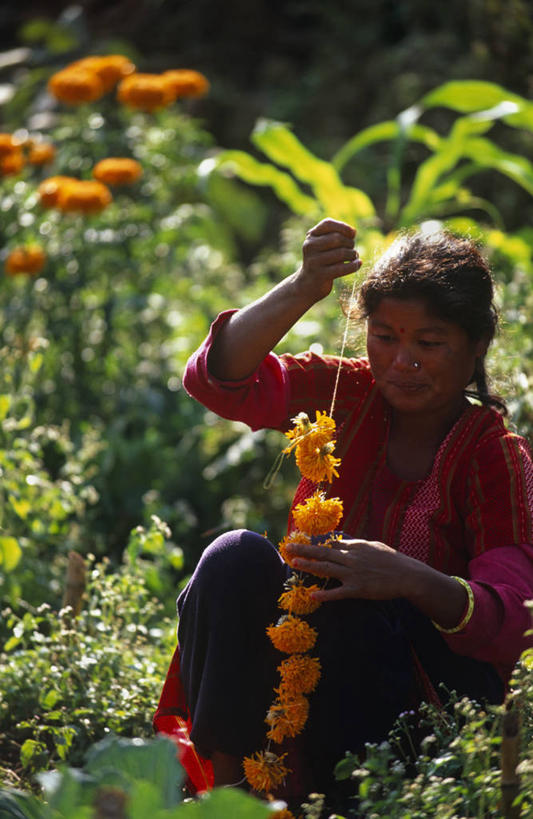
<point>125,229</point>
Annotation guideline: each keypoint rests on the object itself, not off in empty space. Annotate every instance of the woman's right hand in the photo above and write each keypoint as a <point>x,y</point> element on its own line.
<point>328,253</point>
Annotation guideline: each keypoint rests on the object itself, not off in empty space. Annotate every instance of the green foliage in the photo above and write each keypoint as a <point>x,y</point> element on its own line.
<point>454,770</point>
<point>66,682</point>
<point>128,778</point>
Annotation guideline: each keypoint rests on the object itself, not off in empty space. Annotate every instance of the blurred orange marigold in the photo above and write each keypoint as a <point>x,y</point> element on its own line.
<point>83,196</point>
<point>110,68</point>
<point>28,259</point>
<point>7,144</point>
<point>146,92</point>
<point>117,171</point>
<point>41,153</point>
<point>76,85</point>
<point>12,163</point>
<point>187,83</point>
<point>49,189</point>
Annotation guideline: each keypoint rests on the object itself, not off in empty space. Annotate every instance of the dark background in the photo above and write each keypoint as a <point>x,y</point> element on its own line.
<point>328,68</point>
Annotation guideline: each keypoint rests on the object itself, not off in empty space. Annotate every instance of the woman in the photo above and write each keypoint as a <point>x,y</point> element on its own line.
<point>427,584</point>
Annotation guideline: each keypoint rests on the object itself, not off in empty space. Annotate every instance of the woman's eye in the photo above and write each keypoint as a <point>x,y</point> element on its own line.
<point>383,337</point>
<point>429,344</point>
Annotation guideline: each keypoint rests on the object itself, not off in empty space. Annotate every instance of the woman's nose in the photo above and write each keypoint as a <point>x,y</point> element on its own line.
<point>404,357</point>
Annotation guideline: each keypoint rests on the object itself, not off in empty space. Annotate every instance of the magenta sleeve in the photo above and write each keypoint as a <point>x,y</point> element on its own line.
<point>501,580</point>
<point>260,400</point>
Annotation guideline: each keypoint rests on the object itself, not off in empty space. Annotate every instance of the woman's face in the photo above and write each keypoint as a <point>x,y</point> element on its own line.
<point>401,333</point>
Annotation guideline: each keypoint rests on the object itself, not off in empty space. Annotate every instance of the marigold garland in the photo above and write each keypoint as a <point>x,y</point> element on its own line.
<point>294,537</point>
<point>265,770</point>
<point>297,599</point>
<point>292,635</point>
<point>318,515</point>
<point>287,717</point>
<point>299,674</point>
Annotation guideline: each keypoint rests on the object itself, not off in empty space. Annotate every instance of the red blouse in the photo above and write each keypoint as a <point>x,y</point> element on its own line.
<point>472,515</point>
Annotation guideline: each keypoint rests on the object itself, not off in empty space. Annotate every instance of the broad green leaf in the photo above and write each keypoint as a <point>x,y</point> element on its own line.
<point>488,155</point>
<point>257,173</point>
<point>467,96</point>
<point>35,360</point>
<point>22,506</point>
<point>10,553</point>
<point>282,146</point>
<point>382,132</point>
<point>49,698</point>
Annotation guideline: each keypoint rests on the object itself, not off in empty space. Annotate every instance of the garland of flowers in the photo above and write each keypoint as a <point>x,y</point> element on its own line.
<point>313,444</point>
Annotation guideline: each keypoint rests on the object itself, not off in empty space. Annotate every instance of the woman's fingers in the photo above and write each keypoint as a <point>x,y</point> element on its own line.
<point>332,226</point>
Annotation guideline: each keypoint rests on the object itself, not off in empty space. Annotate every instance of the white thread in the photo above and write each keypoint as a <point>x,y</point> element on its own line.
<point>343,345</point>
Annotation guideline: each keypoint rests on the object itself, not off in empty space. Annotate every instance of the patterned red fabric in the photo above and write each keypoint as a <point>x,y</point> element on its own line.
<point>172,718</point>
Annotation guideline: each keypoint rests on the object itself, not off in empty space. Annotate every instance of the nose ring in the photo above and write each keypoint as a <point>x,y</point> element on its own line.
<point>416,365</point>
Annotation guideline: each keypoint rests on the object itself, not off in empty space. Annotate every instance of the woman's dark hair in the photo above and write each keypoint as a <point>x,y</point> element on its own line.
<point>452,278</point>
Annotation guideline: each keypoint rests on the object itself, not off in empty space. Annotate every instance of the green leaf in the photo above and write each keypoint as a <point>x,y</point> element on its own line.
<point>338,201</point>
<point>136,759</point>
<point>49,698</point>
<point>467,96</point>
<point>382,132</point>
<point>225,802</point>
<point>30,752</point>
<point>488,155</point>
<point>5,403</point>
<point>250,170</point>
<point>10,553</point>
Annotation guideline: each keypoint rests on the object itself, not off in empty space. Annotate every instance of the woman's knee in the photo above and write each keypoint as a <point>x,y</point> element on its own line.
<point>236,558</point>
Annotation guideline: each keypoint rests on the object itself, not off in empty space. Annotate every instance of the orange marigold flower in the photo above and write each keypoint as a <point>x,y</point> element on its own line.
<point>110,68</point>
<point>75,85</point>
<point>294,537</point>
<point>29,259</point>
<point>187,83</point>
<point>146,91</point>
<point>287,717</point>
<point>299,674</point>
<point>41,153</point>
<point>284,813</point>
<point>117,171</point>
<point>49,189</point>
<point>12,163</point>
<point>7,144</point>
<point>292,635</point>
<point>264,770</point>
<point>315,459</point>
<point>298,599</point>
<point>318,515</point>
<point>322,429</point>
<point>83,196</point>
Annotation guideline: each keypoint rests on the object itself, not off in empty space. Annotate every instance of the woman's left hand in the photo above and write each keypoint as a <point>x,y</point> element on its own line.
<point>365,568</point>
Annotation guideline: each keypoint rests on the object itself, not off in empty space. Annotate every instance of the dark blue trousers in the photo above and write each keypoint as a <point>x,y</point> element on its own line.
<point>228,664</point>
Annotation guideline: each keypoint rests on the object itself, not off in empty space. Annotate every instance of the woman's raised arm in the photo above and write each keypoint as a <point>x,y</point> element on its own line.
<point>251,333</point>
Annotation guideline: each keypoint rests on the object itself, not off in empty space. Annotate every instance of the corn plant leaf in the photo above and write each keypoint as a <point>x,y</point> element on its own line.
<point>382,132</point>
<point>247,168</point>
<point>468,96</point>
<point>488,155</point>
<point>278,142</point>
